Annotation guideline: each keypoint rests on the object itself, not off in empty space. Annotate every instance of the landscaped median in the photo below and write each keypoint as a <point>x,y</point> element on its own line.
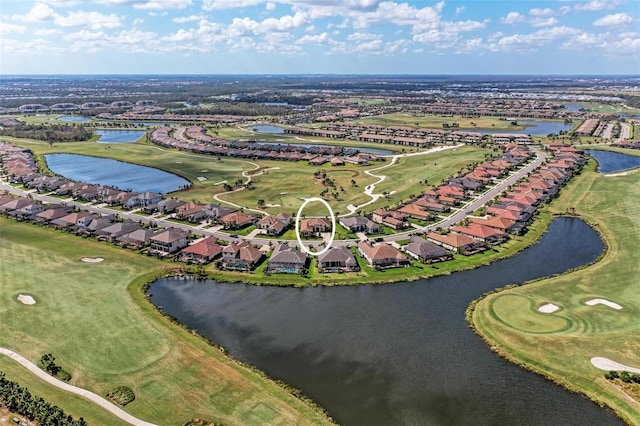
<point>598,307</point>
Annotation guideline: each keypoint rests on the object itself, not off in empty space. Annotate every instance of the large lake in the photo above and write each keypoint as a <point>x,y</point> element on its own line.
<point>610,162</point>
<point>396,354</point>
<point>83,168</point>
<point>120,136</point>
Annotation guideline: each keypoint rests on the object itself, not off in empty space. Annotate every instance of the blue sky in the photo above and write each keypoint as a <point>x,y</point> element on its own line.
<point>317,37</point>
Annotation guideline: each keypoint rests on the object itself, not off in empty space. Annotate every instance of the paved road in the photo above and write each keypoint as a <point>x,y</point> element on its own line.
<point>97,399</point>
<point>456,217</point>
<point>625,132</point>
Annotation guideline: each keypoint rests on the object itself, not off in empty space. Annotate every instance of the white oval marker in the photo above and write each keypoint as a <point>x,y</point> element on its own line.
<point>333,226</point>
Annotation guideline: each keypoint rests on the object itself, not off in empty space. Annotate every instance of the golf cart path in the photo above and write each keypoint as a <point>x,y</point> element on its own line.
<point>97,399</point>
<point>371,187</point>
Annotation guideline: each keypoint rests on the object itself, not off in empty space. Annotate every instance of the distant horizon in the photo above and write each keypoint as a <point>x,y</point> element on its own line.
<point>320,37</point>
<point>3,75</point>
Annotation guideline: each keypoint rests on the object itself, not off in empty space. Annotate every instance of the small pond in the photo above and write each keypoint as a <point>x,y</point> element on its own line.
<point>611,162</point>
<point>120,136</point>
<point>104,171</point>
<point>268,129</point>
<point>74,118</point>
<point>396,354</point>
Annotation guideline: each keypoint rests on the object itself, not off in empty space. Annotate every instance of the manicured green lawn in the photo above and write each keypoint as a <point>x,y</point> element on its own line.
<point>436,121</point>
<point>404,178</point>
<point>102,330</point>
<point>560,345</point>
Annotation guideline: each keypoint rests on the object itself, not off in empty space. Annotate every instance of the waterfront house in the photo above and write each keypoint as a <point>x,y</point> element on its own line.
<point>241,256</point>
<point>457,243</point>
<point>286,260</point>
<point>338,259</point>
<point>169,241</point>
<point>382,255</point>
<point>426,251</point>
<point>204,251</point>
<point>482,233</point>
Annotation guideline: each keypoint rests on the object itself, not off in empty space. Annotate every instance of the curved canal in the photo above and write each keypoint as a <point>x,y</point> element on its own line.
<point>393,354</point>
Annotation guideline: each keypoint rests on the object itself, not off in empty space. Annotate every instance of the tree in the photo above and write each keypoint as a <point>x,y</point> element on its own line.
<point>261,203</point>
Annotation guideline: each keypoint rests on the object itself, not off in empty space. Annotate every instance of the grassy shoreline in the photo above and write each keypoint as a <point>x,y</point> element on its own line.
<point>558,346</point>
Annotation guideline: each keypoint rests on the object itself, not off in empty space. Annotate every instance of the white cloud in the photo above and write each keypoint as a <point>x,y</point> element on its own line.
<point>185,19</point>
<point>512,18</point>
<point>40,12</point>
<point>541,12</point>
<point>270,6</point>
<point>161,4</point>
<point>358,36</point>
<point>209,5</point>
<point>6,28</point>
<point>542,22</point>
<point>459,10</point>
<point>596,5</point>
<point>47,32</point>
<point>314,39</point>
<point>614,20</point>
<point>531,41</point>
<point>93,20</point>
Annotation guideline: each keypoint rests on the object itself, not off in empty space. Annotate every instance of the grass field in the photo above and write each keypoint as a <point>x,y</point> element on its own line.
<point>436,121</point>
<point>280,184</point>
<point>560,345</point>
<point>102,330</point>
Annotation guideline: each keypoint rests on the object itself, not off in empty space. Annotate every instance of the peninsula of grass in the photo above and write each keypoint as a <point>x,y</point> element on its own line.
<point>560,345</point>
<point>97,321</point>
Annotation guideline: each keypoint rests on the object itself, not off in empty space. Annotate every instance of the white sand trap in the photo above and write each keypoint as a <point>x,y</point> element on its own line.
<point>178,162</point>
<point>26,299</point>
<point>201,178</point>
<point>616,174</point>
<point>549,308</point>
<point>608,303</point>
<point>92,259</point>
<point>204,171</point>
<point>607,364</point>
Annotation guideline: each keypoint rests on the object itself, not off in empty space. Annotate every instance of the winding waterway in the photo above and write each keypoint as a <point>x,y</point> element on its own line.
<point>611,162</point>
<point>393,354</point>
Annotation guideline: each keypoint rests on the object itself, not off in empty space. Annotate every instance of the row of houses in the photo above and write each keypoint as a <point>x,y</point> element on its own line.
<point>454,192</point>
<point>197,141</point>
<point>406,136</point>
<point>626,144</point>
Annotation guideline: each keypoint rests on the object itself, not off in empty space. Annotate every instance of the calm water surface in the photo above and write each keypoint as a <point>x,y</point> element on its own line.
<point>83,168</point>
<point>119,136</point>
<point>268,129</point>
<point>534,127</point>
<point>397,354</point>
<point>74,118</point>
<point>611,162</point>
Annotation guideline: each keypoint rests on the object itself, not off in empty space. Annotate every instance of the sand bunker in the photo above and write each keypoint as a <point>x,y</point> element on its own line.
<point>616,174</point>
<point>608,303</point>
<point>609,365</point>
<point>92,259</point>
<point>548,308</point>
<point>201,178</point>
<point>26,299</point>
<point>178,162</point>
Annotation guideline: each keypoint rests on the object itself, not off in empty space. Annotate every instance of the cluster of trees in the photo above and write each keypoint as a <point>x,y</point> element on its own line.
<point>623,375</point>
<point>49,132</point>
<point>48,364</point>
<point>20,401</point>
